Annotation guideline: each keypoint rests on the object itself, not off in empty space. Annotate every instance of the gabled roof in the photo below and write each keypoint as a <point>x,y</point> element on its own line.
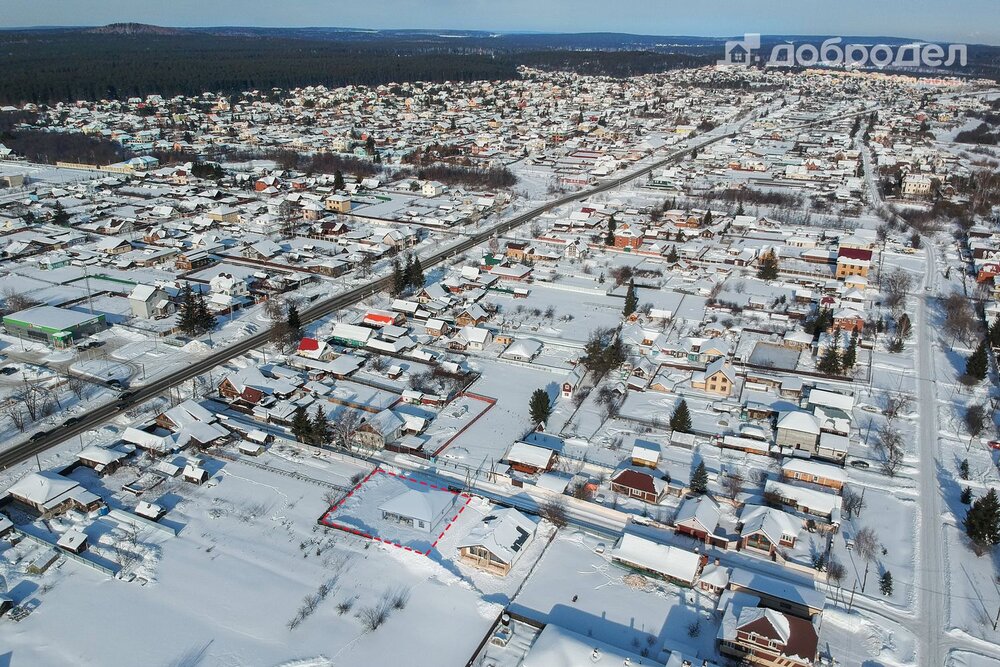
<point>773,523</point>
<point>504,533</point>
<point>669,561</point>
<point>702,510</point>
<point>797,635</point>
<point>799,420</point>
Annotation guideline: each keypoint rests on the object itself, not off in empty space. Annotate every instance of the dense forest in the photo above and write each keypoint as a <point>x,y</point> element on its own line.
<point>124,60</point>
<point>50,66</point>
<point>39,145</point>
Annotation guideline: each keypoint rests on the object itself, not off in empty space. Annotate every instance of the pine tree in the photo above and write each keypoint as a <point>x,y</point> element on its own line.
<point>850,355</point>
<point>829,363</point>
<point>540,407</point>
<point>885,583</point>
<point>609,238</point>
<point>408,271</point>
<point>699,480</point>
<point>416,273</point>
<point>301,425</point>
<point>739,208</point>
<point>707,220</point>
<point>338,180</point>
<point>294,322</point>
<point>187,317</point>
<point>978,363</point>
<point>672,256</point>
<point>398,280</point>
<point>982,522</point>
<point>631,300</point>
<point>59,215</point>
<point>680,420</point>
<point>994,332</point>
<point>966,497</point>
<point>204,319</point>
<point>963,469</point>
<point>320,428</point>
<point>768,269</point>
<point>612,225</point>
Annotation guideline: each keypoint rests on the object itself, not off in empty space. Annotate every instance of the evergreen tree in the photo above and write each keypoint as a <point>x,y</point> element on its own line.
<point>680,420</point>
<point>829,363</point>
<point>398,279</point>
<point>966,497</point>
<point>301,425</point>
<point>187,318</point>
<point>978,362</point>
<point>850,355</point>
<point>204,319</point>
<point>699,480</point>
<point>540,407</point>
<point>885,583</point>
<point>408,271</point>
<point>672,256</point>
<point>294,323</point>
<point>707,220</point>
<point>59,215</point>
<point>631,300</point>
<point>612,225</point>
<point>338,180</point>
<point>768,269</point>
<point>739,208</point>
<point>982,522</point>
<point>416,273</point>
<point>994,332</point>
<point>609,238</point>
<point>963,469</point>
<point>320,428</point>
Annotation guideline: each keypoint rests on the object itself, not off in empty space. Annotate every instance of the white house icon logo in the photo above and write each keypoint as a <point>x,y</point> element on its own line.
<point>739,52</point>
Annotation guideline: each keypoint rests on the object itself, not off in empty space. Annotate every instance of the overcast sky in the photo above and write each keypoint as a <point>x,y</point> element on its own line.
<point>970,21</point>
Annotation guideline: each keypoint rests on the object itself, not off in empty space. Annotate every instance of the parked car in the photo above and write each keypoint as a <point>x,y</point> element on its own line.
<point>858,463</point>
<point>8,370</point>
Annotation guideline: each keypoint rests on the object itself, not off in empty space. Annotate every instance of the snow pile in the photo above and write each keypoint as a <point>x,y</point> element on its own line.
<point>196,347</point>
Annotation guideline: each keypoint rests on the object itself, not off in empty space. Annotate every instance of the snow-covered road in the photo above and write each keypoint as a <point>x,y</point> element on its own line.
<point>932,595</point>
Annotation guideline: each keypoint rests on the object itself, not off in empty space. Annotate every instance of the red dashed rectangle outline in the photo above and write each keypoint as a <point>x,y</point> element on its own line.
<point>327,521</point>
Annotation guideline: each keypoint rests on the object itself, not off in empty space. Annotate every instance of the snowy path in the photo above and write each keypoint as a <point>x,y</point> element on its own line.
<point>932,587</point>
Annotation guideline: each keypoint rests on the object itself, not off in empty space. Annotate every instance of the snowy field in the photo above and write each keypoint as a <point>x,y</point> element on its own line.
<point>249,560</point>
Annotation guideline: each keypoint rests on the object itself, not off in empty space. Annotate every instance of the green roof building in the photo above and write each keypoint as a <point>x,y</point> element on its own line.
<point>54,326</point>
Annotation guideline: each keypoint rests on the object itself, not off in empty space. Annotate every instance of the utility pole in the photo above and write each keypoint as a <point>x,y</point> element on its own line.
<point>853,588</point>
<point>86,280</point>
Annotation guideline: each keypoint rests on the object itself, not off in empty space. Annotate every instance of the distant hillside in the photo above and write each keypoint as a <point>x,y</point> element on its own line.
<point>134,29</point>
